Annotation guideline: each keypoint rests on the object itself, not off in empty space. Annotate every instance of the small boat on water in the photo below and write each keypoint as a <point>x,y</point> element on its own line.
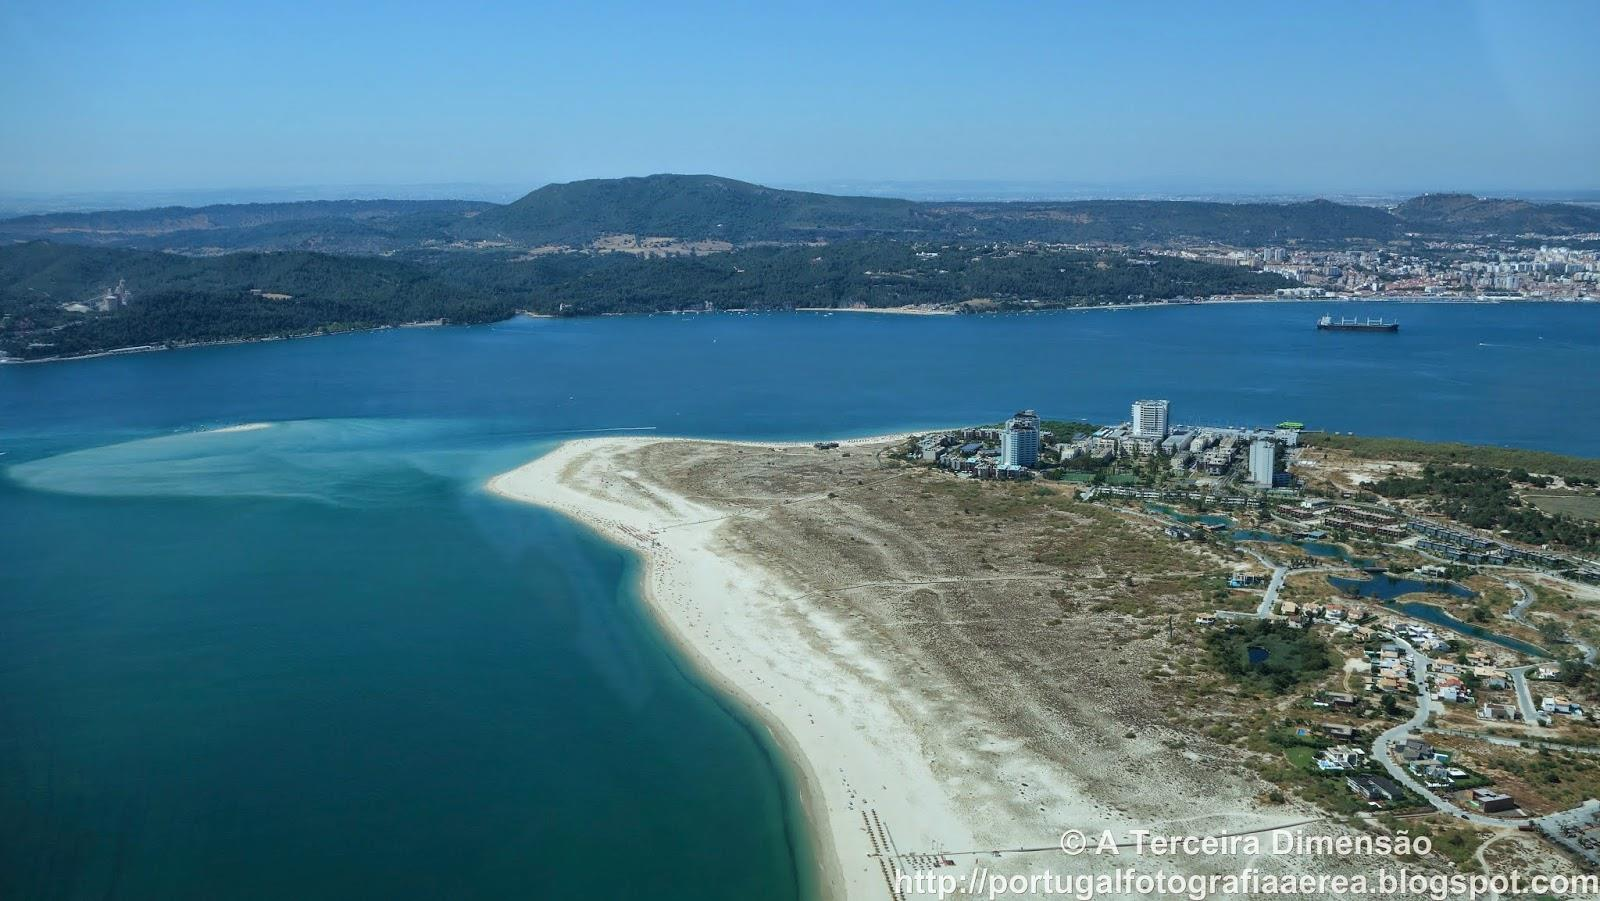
<point>1329,324</point>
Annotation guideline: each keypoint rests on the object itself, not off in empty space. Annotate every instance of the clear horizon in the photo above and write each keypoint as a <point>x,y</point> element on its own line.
<point>955,190</point>
<point>1317,100</point>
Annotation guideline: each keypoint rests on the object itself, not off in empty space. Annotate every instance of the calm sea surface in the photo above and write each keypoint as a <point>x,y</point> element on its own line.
<point>314,660</point>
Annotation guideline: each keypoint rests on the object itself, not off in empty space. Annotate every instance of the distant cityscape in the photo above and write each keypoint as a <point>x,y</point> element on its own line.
<point>1441,268</point>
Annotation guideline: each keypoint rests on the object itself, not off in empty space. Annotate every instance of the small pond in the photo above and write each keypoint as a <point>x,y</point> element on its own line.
<point>1387,588</point>
<point>1205,519</point>
<point>1314,548</point>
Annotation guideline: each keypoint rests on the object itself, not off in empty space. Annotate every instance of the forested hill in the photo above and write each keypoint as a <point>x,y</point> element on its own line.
<point>349,226</point>
<point>1138,222</point>
<point>1466,214</point>
<point>697,207</point>
<point>52,297</point>
<point>63,300</point>
<point>709,208</point>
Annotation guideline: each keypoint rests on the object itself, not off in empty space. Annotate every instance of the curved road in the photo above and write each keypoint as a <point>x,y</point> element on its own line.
<point>1384,744</point>
<point>1279,573</point>
<point>1519,610</point>
<point>1519,613</point>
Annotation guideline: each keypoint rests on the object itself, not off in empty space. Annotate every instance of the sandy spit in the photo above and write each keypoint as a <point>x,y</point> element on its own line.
<point>885,768</point>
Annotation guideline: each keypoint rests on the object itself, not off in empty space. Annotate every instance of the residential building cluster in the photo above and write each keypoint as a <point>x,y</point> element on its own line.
<point>1257,453</point>
<point>1008,452</point>
<point>1316,517</point>
<point>1461,545</point>
<point>1253,457</point>
<point>1441,267</point>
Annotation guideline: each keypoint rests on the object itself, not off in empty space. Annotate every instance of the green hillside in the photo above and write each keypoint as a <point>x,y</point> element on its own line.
<point>707,207</point>
<point>1459,214</point>
<point>50,294</point>
<point>345,226</point>
<point>1156,221</point>
<point>182,299</point>
<point>694,207</point>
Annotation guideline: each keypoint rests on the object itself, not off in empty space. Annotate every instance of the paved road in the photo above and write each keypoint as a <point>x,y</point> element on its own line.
<point>1274,585</point>
<point>1519,678</point>
<point>1519,613</point>
<point>1279,573</point>
<point>1519,610</point>
<point>1385,743</point>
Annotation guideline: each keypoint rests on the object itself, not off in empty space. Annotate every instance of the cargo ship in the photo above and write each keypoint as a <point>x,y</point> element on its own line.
<point>1328,323</point>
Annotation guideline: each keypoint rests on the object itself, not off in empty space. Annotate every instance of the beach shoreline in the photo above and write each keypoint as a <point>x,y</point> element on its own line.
<point>523,485</point>
<point>893,766</point>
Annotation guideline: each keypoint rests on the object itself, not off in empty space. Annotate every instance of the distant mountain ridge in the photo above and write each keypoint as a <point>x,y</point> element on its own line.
<point>708,207</point>
<point>351,225</point>
<point>235,215</point>
<point>695,206</point>
<point>1465,213</point>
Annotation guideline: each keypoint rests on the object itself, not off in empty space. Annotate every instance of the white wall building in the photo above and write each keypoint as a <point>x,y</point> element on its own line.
<point>1019,440</point>
<point>1263,462</point>
<point>1149,419</point>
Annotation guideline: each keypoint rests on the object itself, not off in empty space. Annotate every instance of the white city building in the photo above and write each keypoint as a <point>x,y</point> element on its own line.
<point>1019,440</point>
<point>1263,462</point>
<point>1149,419</point>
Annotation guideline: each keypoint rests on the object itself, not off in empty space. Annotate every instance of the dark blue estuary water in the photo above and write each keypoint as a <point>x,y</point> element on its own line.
<point>314,660</point>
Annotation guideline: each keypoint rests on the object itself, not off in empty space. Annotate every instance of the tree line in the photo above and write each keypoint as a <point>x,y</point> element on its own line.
<point>44,287</point>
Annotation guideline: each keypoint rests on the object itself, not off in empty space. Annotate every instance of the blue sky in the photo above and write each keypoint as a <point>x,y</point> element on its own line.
<point>1291,96</point>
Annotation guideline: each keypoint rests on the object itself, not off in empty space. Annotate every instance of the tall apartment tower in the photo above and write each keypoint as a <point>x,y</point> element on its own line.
<point>1019,440</point>
<point>1149,419</point>
<point>1263,463</point>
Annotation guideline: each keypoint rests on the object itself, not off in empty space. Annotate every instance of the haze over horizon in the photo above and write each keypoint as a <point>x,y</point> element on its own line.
<point>1318,99</point>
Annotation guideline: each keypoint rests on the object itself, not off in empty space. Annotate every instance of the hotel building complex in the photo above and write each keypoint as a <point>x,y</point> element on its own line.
<point>1149,419</point>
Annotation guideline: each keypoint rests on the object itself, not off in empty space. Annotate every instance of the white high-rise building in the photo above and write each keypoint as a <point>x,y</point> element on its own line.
<point>1019,440</point>
<point>1149,419</point>
<point>1263,462</point>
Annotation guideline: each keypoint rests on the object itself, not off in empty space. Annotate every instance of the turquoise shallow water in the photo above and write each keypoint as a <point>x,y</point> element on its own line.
<point>315,660</point>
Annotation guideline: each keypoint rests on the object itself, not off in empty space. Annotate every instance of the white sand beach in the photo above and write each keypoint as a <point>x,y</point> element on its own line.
<point>897,767</point>
<point>730,620</point>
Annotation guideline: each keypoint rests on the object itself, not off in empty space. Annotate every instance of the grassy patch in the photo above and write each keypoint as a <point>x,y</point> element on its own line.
<point>1583,468</point>
<point>1301,756</point>
<point>1562,778</point>
<point>1577,506</point>
<point>1068,430</point>
<point>1271,655</point>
